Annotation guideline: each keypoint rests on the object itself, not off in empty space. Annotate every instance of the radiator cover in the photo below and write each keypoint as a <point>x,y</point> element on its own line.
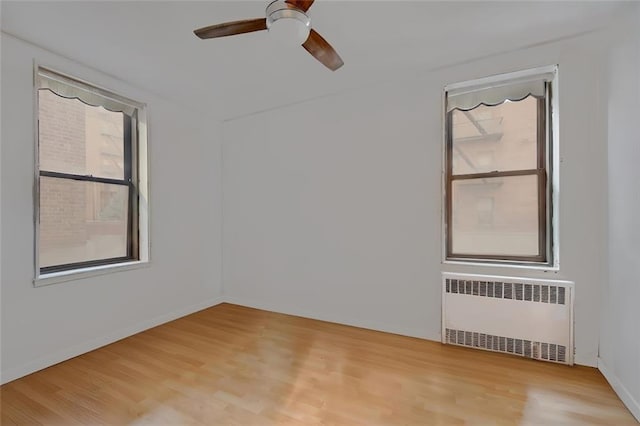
<point>526,317</point>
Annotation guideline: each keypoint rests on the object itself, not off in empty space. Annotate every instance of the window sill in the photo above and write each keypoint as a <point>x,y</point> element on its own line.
<point>78,274</point>
<point>522,266</point>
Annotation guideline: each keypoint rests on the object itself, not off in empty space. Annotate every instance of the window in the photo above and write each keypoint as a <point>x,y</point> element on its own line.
<point>498,161</point>
<point>90,180</point>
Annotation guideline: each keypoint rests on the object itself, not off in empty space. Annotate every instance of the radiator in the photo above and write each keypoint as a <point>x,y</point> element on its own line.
<point>526,317</point>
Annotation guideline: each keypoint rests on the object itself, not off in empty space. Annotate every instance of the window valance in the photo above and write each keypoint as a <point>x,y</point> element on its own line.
<point>74,89</point>
<point>496,92</point>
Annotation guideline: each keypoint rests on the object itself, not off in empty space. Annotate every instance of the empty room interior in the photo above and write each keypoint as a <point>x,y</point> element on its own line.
<point>320,212</point>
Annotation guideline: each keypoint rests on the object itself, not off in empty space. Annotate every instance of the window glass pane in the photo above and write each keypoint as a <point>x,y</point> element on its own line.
<point>495,216</point>
<point>81,221</point>
<point>79,139</point>
<point>490,138</point>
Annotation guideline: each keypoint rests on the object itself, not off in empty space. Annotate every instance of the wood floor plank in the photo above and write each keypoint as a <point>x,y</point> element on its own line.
<point>231,365</point>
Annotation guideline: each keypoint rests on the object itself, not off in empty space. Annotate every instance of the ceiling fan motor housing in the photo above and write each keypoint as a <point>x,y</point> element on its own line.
<point>278,9</point>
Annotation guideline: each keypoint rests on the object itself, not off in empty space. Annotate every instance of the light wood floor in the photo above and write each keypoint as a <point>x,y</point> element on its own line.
<point>230,365</point>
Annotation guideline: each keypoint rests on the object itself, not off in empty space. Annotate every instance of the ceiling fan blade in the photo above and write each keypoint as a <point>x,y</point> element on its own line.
<point>303,5</point>
<point>232,28</point>
<point>322,51</point>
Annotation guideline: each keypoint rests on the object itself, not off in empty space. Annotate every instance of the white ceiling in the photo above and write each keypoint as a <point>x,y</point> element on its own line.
<point>151,44</point>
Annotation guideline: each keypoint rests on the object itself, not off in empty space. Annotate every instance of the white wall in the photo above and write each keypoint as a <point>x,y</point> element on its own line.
<point>41,326</point>
<point>620,326</point>
<point>332,207</point>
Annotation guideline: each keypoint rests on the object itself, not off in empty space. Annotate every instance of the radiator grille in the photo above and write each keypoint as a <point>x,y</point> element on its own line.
<point>543,293</point>
<point>528,349</point>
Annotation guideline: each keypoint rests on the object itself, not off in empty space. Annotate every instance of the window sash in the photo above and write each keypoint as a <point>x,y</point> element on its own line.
<point>541,214</point>
<point>130,180</point>
<point>541,171</point>
<point>86,264</point>
<point>85,178</point>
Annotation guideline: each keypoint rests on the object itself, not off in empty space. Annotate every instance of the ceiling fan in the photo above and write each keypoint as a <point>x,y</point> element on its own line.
<point>279,12</point>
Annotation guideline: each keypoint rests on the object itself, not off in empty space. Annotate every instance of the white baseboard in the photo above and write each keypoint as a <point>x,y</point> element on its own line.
<point>49,360</point>
<point>332,317</point>
<point>620,389</point>
<point>590,360</point>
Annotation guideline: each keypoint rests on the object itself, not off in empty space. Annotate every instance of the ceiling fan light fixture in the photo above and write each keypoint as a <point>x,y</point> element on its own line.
<point>287,24</point>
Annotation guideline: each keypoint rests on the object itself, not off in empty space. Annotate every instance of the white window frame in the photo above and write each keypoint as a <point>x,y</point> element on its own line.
<point>140,162</point>
<point>553,161</point>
